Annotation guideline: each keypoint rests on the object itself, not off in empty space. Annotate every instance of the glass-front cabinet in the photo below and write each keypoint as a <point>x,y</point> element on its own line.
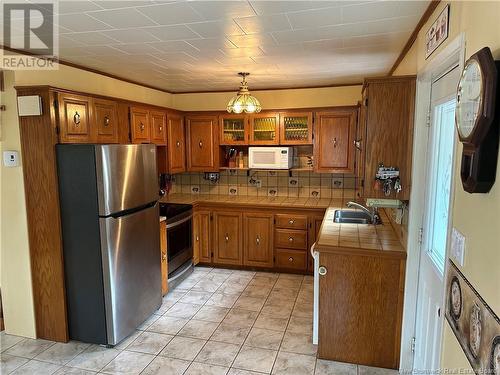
<point>264,129</point>
<point>295,128</point>
<point>234,130</point>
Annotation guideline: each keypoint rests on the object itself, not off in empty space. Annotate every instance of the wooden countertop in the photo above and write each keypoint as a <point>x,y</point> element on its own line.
<point>335,237</point>
<point>282,202</point>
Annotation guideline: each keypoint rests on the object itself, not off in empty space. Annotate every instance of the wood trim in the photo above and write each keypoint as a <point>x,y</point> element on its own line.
<point>38,140</point>
<point>423,20</point>
<point>120,78</point>
<point>2,81</point>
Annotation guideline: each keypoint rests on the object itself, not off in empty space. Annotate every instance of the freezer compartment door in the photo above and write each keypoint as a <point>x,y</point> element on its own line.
<point>126,177</point>
<point>131,260</point>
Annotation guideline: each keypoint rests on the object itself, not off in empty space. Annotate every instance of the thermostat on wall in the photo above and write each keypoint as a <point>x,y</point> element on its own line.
<point>29,105</point>
<point>11,158</point>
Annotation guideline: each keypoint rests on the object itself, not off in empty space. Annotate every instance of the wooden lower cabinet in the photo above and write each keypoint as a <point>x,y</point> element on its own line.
<point>258,239</point>
<point>254,237</point>
<point>163,254</point>
<point>361,308</point>
<point>228,241</point>
<point>201,237</point>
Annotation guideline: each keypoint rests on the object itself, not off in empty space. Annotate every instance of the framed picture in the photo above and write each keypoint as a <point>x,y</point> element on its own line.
<point>438,32</point>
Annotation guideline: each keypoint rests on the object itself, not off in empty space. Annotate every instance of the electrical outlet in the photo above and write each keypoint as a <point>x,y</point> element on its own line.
<point>337,182</point>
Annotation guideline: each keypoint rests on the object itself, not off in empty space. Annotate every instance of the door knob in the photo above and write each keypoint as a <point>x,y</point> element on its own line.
<point>142,126</point>
<point>226,237</point>
<point>291,221</point>
<point>257,240</point>
<point>178,144</point>
<point>76,118</point>
<point>334,142</point>
<point>106,120</point>
<point>200,144</point>
<point>290,239</point>
<point>322,270</point>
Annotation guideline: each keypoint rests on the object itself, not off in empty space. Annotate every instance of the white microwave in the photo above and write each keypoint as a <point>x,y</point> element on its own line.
<point>270,157</point>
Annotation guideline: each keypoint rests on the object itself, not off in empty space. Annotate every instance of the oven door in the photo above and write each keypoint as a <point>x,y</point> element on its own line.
<point>179,241</point>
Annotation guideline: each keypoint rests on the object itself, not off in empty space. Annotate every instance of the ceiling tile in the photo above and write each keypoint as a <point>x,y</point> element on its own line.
<point>136,48</point>
<point>131,35</point>
<point>381,10</point>
<point>252,40</point>
<point>315,18</point>
<point>116,4</point>
<point>172,32</point>
<point>275,7</point>
<point>215,10</point>
<point>241,52</point>
<point>261,24</point>
<point>173,46</point>
<point>122,18</point>
<point>171,14</point>
<point>211,29</point>
<point>210,43</point>
<point>91,38</point>
<point>65,7</point>
<point>81,22</point>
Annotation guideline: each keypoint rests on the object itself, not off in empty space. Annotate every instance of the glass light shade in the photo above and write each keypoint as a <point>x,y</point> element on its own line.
<point>244,101</point>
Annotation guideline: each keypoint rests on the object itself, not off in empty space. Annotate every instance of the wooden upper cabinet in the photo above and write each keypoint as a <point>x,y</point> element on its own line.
<point>202,143</point>
<point>390,110</point>
<point>106,121</point>
<point>139,122</point>
<point>176,147</point>
<point>158,121</point>
<point>258,239</point>
<point>296,128</point>
<point>264,129</point>
<point>75,118</point>
<point>228,238</point>
<point>233,129</point>
<point>334,134</point>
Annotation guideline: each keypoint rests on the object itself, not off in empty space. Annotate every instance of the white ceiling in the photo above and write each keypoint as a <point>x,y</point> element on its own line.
<point>201,45</point>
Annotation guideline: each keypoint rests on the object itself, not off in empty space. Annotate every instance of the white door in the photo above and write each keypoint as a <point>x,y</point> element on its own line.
<point>436,222</point>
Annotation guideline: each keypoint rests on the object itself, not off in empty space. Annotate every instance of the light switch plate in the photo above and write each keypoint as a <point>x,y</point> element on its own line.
<point>11,159</point>
<point>458,247</point>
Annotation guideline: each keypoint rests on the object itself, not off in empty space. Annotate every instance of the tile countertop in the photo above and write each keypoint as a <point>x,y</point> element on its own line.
<point>282,202</point>
<point>371,238</point>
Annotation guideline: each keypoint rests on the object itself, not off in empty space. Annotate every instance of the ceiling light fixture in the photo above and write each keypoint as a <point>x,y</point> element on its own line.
<point>244,101</point>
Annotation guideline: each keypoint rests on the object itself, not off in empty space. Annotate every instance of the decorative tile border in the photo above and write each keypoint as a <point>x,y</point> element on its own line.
<point>474,323</point>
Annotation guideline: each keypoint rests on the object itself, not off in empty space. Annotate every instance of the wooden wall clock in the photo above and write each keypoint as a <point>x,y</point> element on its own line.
<point>477,118</point>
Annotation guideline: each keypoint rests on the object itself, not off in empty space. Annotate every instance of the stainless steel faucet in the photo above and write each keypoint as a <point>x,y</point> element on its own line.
<point>374,216</point>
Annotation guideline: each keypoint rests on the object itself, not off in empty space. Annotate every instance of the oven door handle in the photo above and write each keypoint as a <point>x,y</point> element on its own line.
<point>177,223</point>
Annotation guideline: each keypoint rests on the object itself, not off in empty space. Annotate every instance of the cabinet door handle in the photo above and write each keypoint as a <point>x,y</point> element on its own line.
<point>178,144</point>
<point>76,118</point>
<point>106,120</point>
<point>161,128</point>
<point>291,221</point>
<point>142,127</point>
<point>226,237</point>
<point>322,270</point>
<point>197,238</point>
<point>290,259</point>
<point>200,144</point>
<point>290,239</point>
<point>357,144</point>
<point>257,240</point>
<point>334,142</point>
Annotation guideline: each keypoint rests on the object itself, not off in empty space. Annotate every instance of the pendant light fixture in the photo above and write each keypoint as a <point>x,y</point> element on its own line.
<point>244,101</point>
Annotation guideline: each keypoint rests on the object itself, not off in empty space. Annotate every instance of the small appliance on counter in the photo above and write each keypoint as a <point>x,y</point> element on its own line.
<point>179,241</point>
<point>109,216</point>
<point>270,157</point>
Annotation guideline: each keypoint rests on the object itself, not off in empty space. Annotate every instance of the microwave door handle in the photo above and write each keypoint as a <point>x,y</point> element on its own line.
<point>177,223</point>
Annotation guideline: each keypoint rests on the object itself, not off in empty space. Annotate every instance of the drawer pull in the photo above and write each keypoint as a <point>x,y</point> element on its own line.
<point>76,118</point>
<point>257,240</point>
<point>291,221</point>
<point>106,120</point>
<point>290,259</point>
<point>322,270</point>
<point>290,239</point>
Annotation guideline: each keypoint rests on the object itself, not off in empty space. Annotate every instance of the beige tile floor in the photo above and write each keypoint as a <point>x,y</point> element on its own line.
<point>216,322</point>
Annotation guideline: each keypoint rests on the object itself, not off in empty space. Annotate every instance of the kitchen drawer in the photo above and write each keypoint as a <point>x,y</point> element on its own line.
<point>291,259</point>
<point>291,221</point>
<point>290,238</point>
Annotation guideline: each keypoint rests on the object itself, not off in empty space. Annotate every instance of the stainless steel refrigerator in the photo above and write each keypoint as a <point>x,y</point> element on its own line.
<point>110,223</point>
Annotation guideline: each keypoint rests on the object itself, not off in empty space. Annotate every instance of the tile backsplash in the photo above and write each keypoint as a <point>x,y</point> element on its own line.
<point>268,183</point>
